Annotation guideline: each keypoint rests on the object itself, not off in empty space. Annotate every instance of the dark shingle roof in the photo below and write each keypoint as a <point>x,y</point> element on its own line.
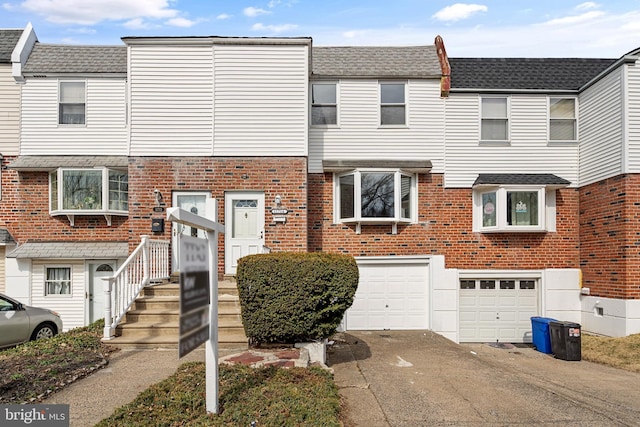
<point>5,236</point>
<point>48,58</point>
<point>520,179</point>
<point>376,62</point>
<point>8,40</point>
<point>525,73</point>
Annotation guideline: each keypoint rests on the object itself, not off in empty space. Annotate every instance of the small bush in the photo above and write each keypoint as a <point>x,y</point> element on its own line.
<point>294,297</point>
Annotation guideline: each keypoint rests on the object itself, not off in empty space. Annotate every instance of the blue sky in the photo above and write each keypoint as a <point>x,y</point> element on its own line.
<point>491,28</point>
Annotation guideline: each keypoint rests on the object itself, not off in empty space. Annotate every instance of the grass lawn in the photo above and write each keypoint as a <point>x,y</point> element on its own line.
<point>622,353</point>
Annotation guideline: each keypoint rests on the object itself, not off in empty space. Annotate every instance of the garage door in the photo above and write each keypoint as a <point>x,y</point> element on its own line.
<point>390,296</point>
<point>497,309</point>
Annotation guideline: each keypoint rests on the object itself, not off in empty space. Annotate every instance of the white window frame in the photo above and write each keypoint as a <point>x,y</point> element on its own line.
<point>60,103</point>
<point>71,213</point>
<point>46,281</point>
<point>336,87</point>
<point>392,104</point>
<point>506,118</point>
<point>546,209</point>
<point>575,119</point>
<point>397,194</point>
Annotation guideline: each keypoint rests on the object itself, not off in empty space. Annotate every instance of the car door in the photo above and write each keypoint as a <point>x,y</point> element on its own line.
<point>14,323</point>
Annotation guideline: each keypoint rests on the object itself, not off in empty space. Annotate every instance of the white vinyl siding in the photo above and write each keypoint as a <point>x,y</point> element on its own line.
<point>3,251</point>
<point>171,100</point>
<point>601,133</point>
<point>261,106</point>
<point>528,152</point>
<point>633,116</point>
<point>71,306</point>
<point>359,135</point>
<point>104,131</point>
<point>9,112</point>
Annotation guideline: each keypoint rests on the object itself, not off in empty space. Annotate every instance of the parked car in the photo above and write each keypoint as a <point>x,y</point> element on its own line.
<point>20,323</point>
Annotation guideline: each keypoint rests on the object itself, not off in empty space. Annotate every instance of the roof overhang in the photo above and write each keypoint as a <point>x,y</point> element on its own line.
<point>520,179</point>
<point>415,166</point>
<point>49,163</point>
<point>71,250</point>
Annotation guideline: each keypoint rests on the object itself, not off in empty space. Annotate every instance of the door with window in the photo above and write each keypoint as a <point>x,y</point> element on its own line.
<point>97,271</point>
<point>244,227</point>
<point>198,203</point>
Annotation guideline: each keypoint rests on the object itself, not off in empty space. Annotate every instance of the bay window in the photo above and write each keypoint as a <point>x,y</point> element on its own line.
<point>99,191</point>
<point>375,196</point>
<point>511,209</point>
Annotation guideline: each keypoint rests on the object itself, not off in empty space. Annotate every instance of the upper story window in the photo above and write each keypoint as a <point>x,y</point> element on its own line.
<point>375,196</point>
<point>72,103</point>
<point>392,104</point>
<point>563,119</point>
<point>494,123</point>
<point>324,105</point>
<point>89,192</point>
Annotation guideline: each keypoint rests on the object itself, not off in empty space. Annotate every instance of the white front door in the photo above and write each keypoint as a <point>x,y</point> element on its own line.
<point>244,227</point>
<point>194,202</point>
<point>98,270</point>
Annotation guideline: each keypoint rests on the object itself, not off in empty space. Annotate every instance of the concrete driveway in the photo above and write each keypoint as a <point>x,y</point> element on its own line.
<point>418,378</point>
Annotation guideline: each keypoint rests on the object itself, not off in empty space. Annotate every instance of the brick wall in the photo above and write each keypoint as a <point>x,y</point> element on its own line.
<point>444,228</point>
<point>285,176</point>
<point>24,211</point>
<point>610,237</point>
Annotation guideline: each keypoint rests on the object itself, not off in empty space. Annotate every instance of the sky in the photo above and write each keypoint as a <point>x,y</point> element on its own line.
<point>490,28</point>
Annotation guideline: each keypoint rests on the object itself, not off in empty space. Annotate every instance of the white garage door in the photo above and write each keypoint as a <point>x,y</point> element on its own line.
<point>390,296</point>
<point>497,310</point>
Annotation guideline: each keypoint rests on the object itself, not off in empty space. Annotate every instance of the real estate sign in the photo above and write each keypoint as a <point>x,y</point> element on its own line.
<point>195,295</point>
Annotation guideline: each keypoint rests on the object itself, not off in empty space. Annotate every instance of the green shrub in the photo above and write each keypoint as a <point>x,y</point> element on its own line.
<point>291,297</point>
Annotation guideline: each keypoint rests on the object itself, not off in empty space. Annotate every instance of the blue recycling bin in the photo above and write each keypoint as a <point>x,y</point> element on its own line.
<point>541,333</point>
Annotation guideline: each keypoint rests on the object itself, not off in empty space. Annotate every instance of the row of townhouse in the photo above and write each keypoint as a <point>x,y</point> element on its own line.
<point>473,192</point>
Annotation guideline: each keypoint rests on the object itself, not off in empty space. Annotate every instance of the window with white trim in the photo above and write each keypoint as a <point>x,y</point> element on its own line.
<point>57,281</point>
<point>494,121</point>
<point>393,108</point>
<point>371,196</point>
<point>324,104</point>
<point>72,105</point>
<point>89,191</point>
<point>563,124</point>
<point>514,209</point>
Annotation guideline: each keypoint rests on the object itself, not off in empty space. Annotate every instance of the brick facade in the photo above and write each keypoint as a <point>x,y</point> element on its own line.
<point>444,227</point>
<point>610,237</point>
<point>283,176</point>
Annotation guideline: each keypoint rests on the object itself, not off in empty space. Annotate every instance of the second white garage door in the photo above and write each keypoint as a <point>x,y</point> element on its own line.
<point>497,309</point>
<point>390,295</point>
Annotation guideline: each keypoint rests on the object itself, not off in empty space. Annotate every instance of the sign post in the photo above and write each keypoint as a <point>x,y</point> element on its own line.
<point>211,228</point>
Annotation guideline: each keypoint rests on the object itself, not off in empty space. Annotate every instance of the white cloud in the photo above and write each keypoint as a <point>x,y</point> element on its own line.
<point>8,6</point>
<point>274,29</point>
<point>252,12</point>
<point>136,24</point>
<point>274,3</point>
<point>181,22</point>
<point>223,16</point>
<point>576,19</point>
<point>587,5</point>
<point>85,12</point>
<point>459,11</point>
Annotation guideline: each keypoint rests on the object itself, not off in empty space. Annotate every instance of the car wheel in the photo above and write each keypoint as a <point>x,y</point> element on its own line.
<point>43,331</point>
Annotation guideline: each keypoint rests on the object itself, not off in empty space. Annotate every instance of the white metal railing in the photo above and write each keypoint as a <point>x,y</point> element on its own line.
<point>147,263</point>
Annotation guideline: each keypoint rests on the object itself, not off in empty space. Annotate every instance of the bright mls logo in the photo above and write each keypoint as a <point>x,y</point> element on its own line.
<point>34,415</point>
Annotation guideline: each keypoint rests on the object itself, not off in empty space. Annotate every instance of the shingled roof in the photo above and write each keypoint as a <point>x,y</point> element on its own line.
<point>568,74</point>
<point>376,62</point>
<point>8,40</point>
<point>52,59</point>
<point>520,179</point>
<point>71,250</point>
